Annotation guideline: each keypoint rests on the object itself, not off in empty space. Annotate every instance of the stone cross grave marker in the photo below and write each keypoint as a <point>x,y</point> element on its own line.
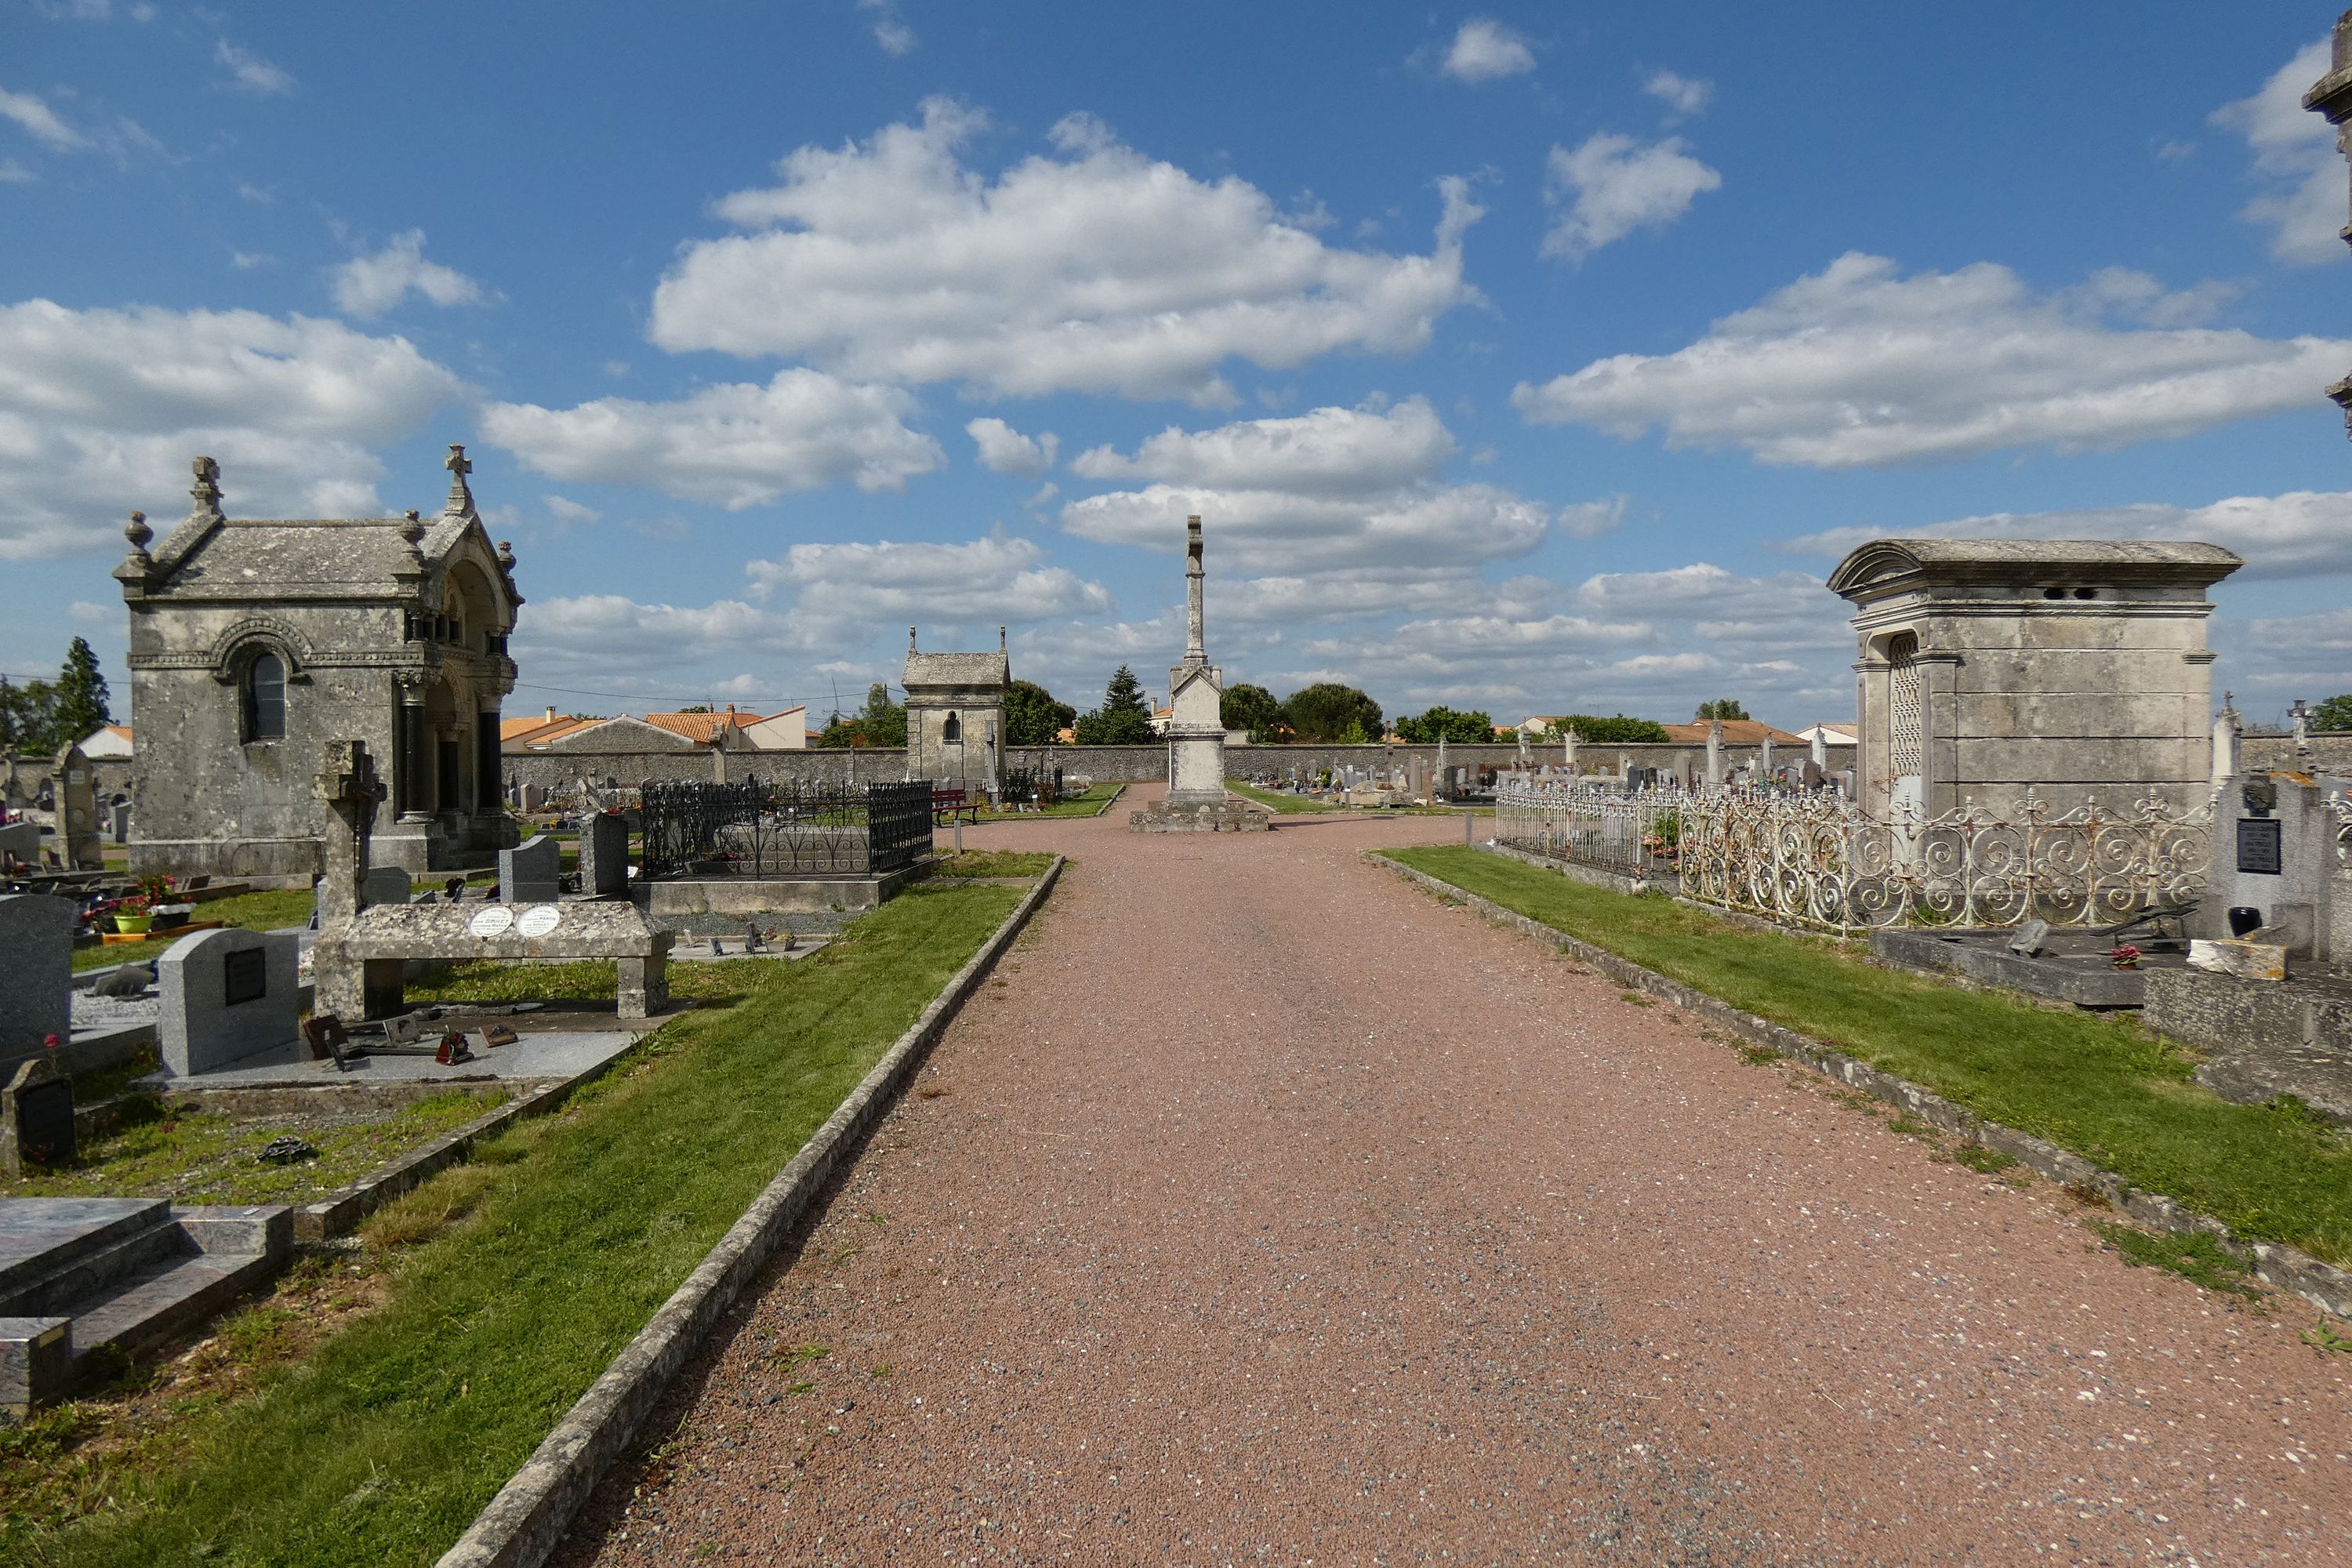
<point>36,972</point>
<point>226,995</point>
<point>605,855</point>
<point>37,1118</point>
<point>349,785</point>
<point>530,873</point>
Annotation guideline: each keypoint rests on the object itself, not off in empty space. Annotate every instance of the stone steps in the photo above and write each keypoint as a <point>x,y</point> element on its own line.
<point>78,1275</point>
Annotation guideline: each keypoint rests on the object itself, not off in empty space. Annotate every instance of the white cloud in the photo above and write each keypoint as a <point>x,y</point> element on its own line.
<point>1092,269</point>
<point>735,446</point>
<point>368,285</point>
<point>1484,51</point>
<point>1005,451</point>
<point>613,634</point>
<point>247,260</point>
<point>1682,94</point>
<point>2304,201</point>
<point>568,512</point>
<point>100,411</point>
<point>989,581</point>
<point>1613,185</point>
<point>12,172</point>
<point>2302,533</point>
<point>42,121</point>
<point>890,30</point>
<point>248,72</point>
<point>1330,490</point>
<point>1858,366</point>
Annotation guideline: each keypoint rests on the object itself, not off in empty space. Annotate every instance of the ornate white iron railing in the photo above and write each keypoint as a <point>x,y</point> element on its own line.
<point>1816,860</point>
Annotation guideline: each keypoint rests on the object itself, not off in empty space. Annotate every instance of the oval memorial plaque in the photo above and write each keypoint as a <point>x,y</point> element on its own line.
<point>537,922</point>
<point>491,921</point>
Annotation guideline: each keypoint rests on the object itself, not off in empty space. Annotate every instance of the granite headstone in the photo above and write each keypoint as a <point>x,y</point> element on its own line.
<point>118,820</point>
<point>37,1118</point>
<point>385,885</point>
<point>22,840</point>
<point>226,995</point>
<point>36,972</point>
<point>605,855</point>
<point>531,872</point>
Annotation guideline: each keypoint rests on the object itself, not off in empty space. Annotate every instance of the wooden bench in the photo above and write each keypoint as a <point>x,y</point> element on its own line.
<point>947,805</point>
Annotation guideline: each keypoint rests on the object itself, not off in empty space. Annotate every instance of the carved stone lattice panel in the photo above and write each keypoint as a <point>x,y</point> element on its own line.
<point>1906,748</point>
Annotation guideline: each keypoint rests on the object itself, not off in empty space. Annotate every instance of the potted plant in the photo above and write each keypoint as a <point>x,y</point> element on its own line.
<point>131,915</point>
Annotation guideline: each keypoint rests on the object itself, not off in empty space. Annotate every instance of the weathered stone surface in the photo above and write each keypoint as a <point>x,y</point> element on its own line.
<point>2240,960</point>
<point>36,1117</point>
<point>226,995</point>
<point>391,631</point>
<point>81,844</point>
<point>36,972</point>
<point>358,963</point>
<point>604,856</point>
<point>531,872</point>
<point>955,717</point>
<point>2261,1038</point>
<point>2086,980</point>
<point>23,840</point>
<point>1229,814</point>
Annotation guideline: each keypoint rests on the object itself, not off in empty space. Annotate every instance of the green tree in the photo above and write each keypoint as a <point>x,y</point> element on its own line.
<point>1032,716</point>
<point>1723,708</point>
<point>2336,713</point>
<point>881,722</point>
<point>1324,712</point>
<point>1617,729</point>
<point>1432,725</point>
<point>1250,708</point>
<point>1123,720</point>
<point>77,704</point>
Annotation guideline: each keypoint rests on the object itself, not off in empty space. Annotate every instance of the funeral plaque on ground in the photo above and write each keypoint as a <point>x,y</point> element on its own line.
<point>37,1118</point>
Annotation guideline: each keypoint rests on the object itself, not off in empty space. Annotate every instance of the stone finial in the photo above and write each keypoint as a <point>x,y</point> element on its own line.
<point>910,639</point>
<point>207,491</point>
<point>1000,647</point>
<point>461,496</point>
<point>505,555</point>
<point>139,534</point>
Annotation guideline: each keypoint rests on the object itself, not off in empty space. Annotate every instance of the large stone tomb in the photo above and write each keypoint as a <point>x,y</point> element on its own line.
<point>359,963</point>
<point>227,995</point>
<point>36,972</point>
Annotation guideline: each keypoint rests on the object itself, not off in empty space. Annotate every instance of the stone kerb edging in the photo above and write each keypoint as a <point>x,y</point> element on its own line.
<point>524,1523</point>
<point>2321,1284</point>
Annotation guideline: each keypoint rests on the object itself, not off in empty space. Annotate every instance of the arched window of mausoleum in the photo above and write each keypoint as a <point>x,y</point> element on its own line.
<point>951,731</point>
<point>262,695</point>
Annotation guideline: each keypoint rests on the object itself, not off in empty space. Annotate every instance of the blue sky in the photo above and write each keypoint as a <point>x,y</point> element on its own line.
<point>1536,358</point>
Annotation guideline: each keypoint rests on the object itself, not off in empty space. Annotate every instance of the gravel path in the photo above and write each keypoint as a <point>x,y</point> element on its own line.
<point>1272,1211</point>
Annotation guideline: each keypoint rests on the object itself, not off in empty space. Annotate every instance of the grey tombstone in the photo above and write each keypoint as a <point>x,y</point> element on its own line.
<point>36,972</point>
<point>227,995</point>
<point>37,1118</point>
<point>22,840</point>
<point>2030,938</point>
<point>119,821</point>
<point>385,885</point>
<point>531,872</point>
<point>77,831</point>
<point>534,796</point>
<point>604,856</point>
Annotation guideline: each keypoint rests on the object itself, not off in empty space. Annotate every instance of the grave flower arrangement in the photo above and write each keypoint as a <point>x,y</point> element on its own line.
<point>2124,956</point>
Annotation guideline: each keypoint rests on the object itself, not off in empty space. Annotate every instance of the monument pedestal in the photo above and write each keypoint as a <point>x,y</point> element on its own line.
<point>1225,814</point>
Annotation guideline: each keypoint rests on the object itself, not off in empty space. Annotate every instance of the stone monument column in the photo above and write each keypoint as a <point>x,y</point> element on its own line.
<point>1196,728</point>
<point>1714,752</point>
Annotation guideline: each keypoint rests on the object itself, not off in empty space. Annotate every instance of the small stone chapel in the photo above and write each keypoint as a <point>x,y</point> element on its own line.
<point>255,642</point>
<point>955,716</point>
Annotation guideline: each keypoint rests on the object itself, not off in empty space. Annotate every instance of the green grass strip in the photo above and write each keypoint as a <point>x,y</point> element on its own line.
<point>1093,803</point>
<point>382,1447</point>
<point>2102,1086</point>
<point>1280,803</point>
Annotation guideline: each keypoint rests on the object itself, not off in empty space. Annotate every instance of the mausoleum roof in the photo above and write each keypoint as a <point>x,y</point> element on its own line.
<point>2185,561</point>
<point>957,669</point>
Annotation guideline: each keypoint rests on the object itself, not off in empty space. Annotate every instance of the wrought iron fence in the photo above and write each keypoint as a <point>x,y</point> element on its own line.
<point>1630,832</point>
<point>1818,860</point>
<point>784,829</point>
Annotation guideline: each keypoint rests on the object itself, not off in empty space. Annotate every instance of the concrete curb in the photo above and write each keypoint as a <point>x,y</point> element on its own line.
<point>522,1526</point>
<point>2323,1285</point>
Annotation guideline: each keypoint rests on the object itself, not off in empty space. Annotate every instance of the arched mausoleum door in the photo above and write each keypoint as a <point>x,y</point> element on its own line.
<point>1907,719</point>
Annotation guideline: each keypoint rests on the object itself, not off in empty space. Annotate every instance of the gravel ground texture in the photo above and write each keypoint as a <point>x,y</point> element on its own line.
<point>1267,1209</point>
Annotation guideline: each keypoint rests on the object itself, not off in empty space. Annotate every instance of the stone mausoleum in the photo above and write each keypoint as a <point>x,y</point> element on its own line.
<point>255,642</point>
<point>955,717</point>
<point>2073,668</point>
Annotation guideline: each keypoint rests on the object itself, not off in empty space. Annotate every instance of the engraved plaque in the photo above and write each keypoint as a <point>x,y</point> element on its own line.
<point>245,976</point>
<point>491,921</point>
<point>2258,845</point>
